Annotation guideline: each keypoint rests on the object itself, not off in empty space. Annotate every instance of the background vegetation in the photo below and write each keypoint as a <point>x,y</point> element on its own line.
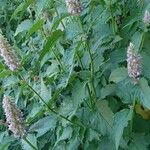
<point>73,86</point>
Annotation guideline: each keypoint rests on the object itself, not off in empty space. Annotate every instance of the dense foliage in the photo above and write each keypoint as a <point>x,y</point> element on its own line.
<point>74,84</point>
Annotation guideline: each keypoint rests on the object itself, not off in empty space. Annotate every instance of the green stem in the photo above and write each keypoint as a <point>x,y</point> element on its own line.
<point>114,26</point>
<point>61,116</point>
<point>29,143</point>
<point>52,110</point>
<point>131,122</point>
<point>91,60</point>
<point>92,72</point>
<point>79,60</point>
<point>58,60</point>
<point>143,38</point>
<point>90,96</point>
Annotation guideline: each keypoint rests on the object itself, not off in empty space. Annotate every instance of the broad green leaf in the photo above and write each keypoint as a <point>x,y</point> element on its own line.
<point>145,93</point>
<point>120,122</point>
<point>43,125</point>
<point>107,90</point>
<point>50,42</point>
<point>45,92</point>
<point>118,75</point>
<point>66,134</point>
<point>56,23</point>
<point>36,111</point>
<point>52,69</point>
<point>141,141</point>
<point>35,27</point>
<point>5,140</point>
<point>21,8</point>
<point>132,21</point>
<point>5,73</point>
<point>105,111</point>
<point>78,93</point>
<point>33,141</point>
<point>23,26</point>
<point>137,39</point>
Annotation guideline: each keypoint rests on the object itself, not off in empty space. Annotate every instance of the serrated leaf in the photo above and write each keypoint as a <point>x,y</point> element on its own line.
<point>141,141</point>
<point>45,92</point>
<point>78,93</point>
<point>66,134</point>
<point>21,8</point>
<point>120,122</point>
<point>105,111</point>
<point>50,42</point>
<point>145,93</point>
<point>56,23</point>
<point>136,39</point>
<point>35,27</point>
<point>43,125</point>
<point>33,141</point>
<point>5,73</point>
<point>118,75</point>
<point>23,26</point>
<point>107,90</point>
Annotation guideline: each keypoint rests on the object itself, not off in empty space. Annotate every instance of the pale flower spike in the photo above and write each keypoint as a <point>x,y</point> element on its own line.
<point>146,18</point>
<point>7,54</point>
<point>133,63</point>
<point>74,7</point>
<point>14,118</point>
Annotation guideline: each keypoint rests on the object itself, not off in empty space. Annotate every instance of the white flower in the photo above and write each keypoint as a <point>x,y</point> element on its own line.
<point>134,63</point>
<point>74,7</point>
<point>14,117</point>
<point>7,54</point>
<point>146,18</point>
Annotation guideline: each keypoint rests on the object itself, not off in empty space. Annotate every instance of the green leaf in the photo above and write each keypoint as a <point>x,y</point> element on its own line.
<point>105,111</point>
<point>136,39</point>
<point>120,122</point>
<point>56,23</point>
<point>23,26</point>
<point>33,141</point>
<point>141,141</point>
<point>45,92</point>
<point>5,73</point>
<point>35,27</point>
<point>50,42</point>
<point>21,8</point>
<point>43,125</point>
<point>107,90</point>
<point>78,93</point>
<point>66,134</point>
<point>118,75</point>
<point>145,93</point>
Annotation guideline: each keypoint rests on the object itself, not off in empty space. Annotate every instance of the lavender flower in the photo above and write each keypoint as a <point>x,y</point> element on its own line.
<point>74,7</point>
<point>146,18</point>
<point>7,54</point>
<point>134,63</point>
<point>14,117</point>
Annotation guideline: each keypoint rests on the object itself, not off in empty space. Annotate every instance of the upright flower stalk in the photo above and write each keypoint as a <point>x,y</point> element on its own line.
<point>133,63</point>
<point>146,18</point>
<point>74,7</point>
<point>14,118</point>
<point>7,54</point>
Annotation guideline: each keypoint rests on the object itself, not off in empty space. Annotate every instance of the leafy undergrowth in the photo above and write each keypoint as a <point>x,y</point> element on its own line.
<point>73,85</point>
